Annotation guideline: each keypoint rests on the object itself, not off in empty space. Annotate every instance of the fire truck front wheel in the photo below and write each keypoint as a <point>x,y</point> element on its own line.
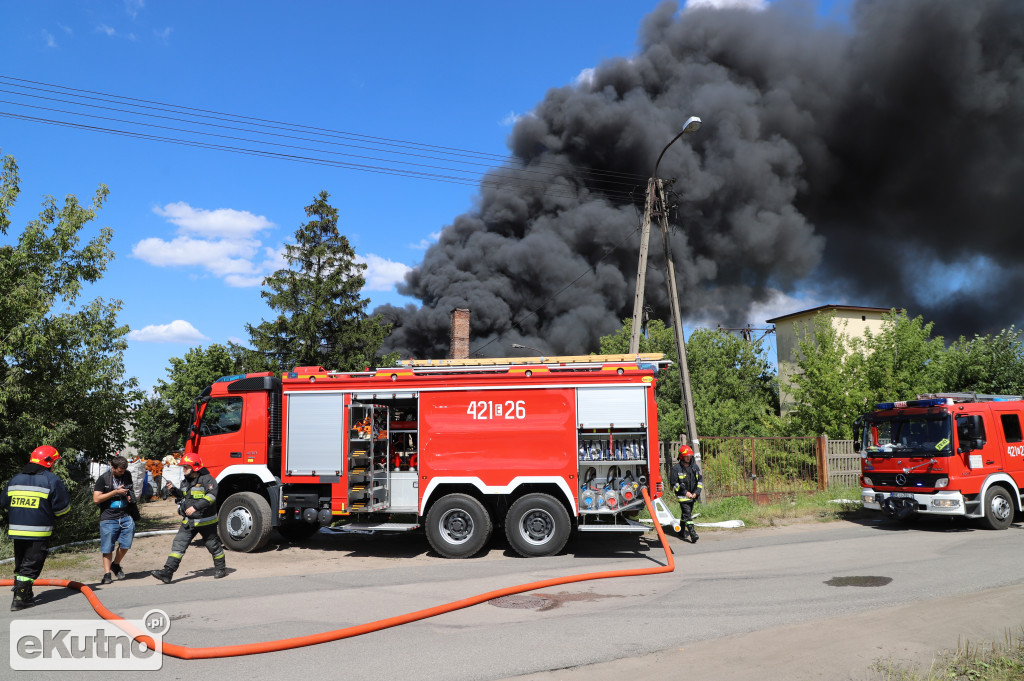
<point>537,525</point>
<point>999,508</point>
<point>244,524</point>
<point>458,526</point>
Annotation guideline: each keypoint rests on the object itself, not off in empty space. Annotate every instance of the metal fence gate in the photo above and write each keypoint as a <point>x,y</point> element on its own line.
<point>763,468</point>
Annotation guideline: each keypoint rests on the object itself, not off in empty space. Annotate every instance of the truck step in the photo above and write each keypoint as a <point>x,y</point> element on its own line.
<point>623,525</point>
<point>373,527</point>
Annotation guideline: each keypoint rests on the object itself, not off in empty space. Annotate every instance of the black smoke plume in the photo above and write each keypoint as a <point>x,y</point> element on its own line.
<point>880,161</point>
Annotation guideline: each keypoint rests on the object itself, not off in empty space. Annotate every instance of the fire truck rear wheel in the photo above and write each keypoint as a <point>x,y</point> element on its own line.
<point>537,525</point>
<point>999,508</point>
<point>244,524</point>
<point>458,526</point>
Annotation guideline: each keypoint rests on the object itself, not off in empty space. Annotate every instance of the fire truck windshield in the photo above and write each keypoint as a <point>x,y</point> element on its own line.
<point>921,435</point>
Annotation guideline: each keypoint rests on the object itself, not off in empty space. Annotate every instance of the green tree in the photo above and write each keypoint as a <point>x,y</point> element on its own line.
<point>188,377</point>
<point>734,387</point>
<point>902,360</point>
<point>734,391</point>
<point>321,318</point>
<point>829,388</point>
<point>991,364</point>
<point>62,376</point>
<point>156,432</point>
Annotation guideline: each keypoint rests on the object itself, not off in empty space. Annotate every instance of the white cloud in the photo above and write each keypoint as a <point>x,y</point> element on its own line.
<point>109,30</point>
<point>586,77</point>
<point>424,244</point>
<point>223,222</point>
<point>49,39</point>
<point>66,29</point>
<point>218,241</point>
<point>178,331</point>
<point>727,4</point>
<point>382,274</point>
<point>163,35</point>
<point>132,7</point>
<point>511,118</point>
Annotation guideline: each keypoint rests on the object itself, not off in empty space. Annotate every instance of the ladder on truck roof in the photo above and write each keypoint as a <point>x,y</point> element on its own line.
<point>970,397</point>
<point>558,360</point>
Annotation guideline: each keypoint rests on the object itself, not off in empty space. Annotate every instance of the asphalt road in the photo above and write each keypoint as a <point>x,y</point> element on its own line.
<point>764,603</point>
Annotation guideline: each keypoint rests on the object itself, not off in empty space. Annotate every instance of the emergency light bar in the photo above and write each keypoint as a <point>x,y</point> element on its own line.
<point>885,406</point>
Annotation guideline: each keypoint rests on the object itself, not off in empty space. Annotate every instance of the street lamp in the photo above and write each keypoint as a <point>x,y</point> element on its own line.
<point>520,346</point>
<point>656,204</point>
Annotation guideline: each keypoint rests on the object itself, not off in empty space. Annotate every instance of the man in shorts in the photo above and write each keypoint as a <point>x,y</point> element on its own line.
<point>113,493</point>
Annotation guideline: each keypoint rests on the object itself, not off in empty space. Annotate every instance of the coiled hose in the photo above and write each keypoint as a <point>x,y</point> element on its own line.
<point>186,653</point>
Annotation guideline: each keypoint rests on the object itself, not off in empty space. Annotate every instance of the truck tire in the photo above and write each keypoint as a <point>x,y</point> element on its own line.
<point>999,508</point>
<point>537,525</point>
<point>458,526</point>
<point>244,524</point>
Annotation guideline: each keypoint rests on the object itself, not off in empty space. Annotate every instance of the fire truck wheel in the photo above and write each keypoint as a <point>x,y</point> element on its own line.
<point>244,524</point>
<point>999,508</point>
<point>537,525</point>
<point>458,526</point>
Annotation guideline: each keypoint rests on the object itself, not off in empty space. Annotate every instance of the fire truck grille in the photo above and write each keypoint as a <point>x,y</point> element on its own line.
<point>905,479</point>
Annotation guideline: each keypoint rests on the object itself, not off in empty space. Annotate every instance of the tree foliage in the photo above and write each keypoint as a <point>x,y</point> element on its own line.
<point>62,376</point>
<point>321,317</point>
<point>992,364</point>
<point>188,377</point>
<point>157,432</point>
<point>902,360</point>
<point>734,391</point>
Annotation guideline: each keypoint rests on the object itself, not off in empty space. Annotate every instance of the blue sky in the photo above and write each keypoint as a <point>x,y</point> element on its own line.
<point>196,229</point>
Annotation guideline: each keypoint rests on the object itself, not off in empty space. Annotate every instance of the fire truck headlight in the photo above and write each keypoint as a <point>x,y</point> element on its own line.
<point>867,497</point>
<point>946,503</point>
<point>941,482</point>
<point>867,482</point>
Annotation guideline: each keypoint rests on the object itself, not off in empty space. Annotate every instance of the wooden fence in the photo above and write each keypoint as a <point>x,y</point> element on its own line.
<point>763,468</point>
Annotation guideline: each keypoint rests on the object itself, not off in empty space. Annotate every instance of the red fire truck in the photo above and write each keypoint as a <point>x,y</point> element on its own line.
<point>948,454</point>
<point>541,446</point>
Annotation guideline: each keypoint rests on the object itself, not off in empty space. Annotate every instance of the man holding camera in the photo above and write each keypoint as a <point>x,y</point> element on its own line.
<point>113,493</point>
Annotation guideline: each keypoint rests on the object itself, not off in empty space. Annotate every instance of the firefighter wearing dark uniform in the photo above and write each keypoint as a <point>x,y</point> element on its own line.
<point>197,504</point>
<point>687,482</point>
<point>33,499</point>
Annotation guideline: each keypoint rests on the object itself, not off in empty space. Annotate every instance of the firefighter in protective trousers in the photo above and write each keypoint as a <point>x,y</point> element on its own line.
<point>197,504</point>
<point>33,499</point>
<point>687,482</point>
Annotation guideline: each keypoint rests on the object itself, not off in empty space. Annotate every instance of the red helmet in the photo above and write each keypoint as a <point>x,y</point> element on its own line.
<point>685,451</point>
<point>44,456</point>
<point>192,460</point>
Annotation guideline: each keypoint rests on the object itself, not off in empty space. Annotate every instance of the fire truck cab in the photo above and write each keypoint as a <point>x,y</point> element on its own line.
<point>951,454</point>
<point>539,446</point>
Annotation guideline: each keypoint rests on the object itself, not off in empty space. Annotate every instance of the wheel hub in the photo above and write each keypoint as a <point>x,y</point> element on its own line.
<point>457,526</point>
<point>239,523</point>
<point>1000,508</point>
<point>537,527</point>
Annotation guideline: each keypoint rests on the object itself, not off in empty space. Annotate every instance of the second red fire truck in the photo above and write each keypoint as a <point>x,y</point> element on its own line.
<point>540,447</point>
<point>949,454</point>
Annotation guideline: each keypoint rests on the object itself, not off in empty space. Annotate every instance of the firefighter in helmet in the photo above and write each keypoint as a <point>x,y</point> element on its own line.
<point>33,499</point>
<point>197,505</point>
<point>687,482</point>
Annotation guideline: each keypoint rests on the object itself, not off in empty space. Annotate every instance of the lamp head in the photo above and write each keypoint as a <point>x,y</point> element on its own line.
<point>692,124</point>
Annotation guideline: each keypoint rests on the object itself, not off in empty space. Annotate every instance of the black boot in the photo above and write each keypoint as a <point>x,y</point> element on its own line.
<point>693,534</point>
<point>23,596</point>
<point>163,574</point>
<point>220,569</point>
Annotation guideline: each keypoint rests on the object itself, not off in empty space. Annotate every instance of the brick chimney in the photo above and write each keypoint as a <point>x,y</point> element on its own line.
<point>458,337</point>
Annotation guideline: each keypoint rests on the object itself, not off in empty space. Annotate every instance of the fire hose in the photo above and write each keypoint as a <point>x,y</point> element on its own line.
<point>187,653</point>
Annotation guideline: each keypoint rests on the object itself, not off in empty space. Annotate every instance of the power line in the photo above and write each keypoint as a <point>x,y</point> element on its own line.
<point>614,184</point>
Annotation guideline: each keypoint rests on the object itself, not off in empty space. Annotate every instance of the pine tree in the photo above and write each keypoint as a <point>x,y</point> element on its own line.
<point>322,318</point>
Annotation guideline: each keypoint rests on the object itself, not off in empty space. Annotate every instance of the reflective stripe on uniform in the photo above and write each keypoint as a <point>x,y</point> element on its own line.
<point>29,491</point>
<point>210,498</point>
<point>179,556</point>
<point>30,530</point>
<point>203,522</point>
<point>62,511</point>
<point>219,556</point>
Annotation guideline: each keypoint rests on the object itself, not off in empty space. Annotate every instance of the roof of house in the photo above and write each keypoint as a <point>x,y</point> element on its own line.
<point>823,308</point>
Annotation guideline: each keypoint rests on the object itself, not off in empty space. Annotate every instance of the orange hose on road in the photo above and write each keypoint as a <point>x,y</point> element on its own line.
<point>186,653</point>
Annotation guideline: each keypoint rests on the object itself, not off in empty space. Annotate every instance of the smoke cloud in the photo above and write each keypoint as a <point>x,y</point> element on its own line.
<point>880,162</point>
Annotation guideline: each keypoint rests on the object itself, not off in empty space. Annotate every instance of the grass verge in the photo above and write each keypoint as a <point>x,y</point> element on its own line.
<point>989,661</point>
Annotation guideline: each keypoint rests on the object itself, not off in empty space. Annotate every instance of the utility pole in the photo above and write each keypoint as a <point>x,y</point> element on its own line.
<point>655,205</point>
